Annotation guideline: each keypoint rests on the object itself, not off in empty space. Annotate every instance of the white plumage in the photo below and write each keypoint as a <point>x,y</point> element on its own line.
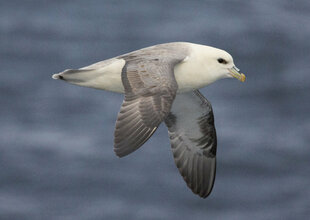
<point>150,78</point>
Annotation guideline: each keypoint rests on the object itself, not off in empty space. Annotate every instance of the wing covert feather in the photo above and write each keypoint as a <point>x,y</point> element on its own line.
<point>150,88</point>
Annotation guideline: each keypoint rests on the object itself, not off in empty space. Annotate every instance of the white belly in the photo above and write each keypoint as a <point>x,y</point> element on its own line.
<point>110,78</point>
<point>106,75</point>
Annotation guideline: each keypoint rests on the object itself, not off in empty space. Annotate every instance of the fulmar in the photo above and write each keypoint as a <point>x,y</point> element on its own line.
<point>160,84</point>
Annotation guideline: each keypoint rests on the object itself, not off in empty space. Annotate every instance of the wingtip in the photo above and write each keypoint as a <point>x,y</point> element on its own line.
<point>204,195</point>
<point>119,155</point>
<point>120,152</point>
<point>201,193</point>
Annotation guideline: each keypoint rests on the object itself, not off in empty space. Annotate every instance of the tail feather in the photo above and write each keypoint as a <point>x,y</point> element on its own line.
<point>67,75</point>
<point>102,75</point>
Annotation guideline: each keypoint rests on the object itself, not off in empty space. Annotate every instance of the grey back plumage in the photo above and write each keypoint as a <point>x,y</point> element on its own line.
<point>150,88</point>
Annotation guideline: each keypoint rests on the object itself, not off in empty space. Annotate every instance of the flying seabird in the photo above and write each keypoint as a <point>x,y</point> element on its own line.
<point>160,83</point>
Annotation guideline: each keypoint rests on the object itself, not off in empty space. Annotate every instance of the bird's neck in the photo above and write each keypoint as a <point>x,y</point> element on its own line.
<point>193,74</point>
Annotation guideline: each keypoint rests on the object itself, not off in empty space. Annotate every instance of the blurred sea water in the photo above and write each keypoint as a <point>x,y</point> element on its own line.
<point>56,153</point>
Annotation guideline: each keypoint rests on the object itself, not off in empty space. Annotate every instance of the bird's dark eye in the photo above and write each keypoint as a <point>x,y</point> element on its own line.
<point>221,60</point>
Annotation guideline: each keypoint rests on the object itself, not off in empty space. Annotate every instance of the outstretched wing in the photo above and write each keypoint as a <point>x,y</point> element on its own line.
<point>150,88</point>
<point>193,140</point>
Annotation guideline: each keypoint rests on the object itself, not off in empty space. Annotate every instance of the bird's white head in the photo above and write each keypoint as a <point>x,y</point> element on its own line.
<point>204,66</point>
<point>220,64</point>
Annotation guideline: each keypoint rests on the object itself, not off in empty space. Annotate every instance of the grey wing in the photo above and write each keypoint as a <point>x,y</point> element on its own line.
<point>150,88</point>
<point>193,140</point>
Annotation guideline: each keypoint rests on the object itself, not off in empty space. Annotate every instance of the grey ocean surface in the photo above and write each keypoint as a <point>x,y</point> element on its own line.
<point>56,153</point>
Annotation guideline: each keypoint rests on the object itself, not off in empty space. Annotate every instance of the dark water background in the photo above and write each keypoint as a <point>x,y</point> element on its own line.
<point>56,153</point>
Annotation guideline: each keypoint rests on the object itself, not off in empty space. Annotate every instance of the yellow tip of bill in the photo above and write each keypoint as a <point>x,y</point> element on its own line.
<point>242,77</point>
